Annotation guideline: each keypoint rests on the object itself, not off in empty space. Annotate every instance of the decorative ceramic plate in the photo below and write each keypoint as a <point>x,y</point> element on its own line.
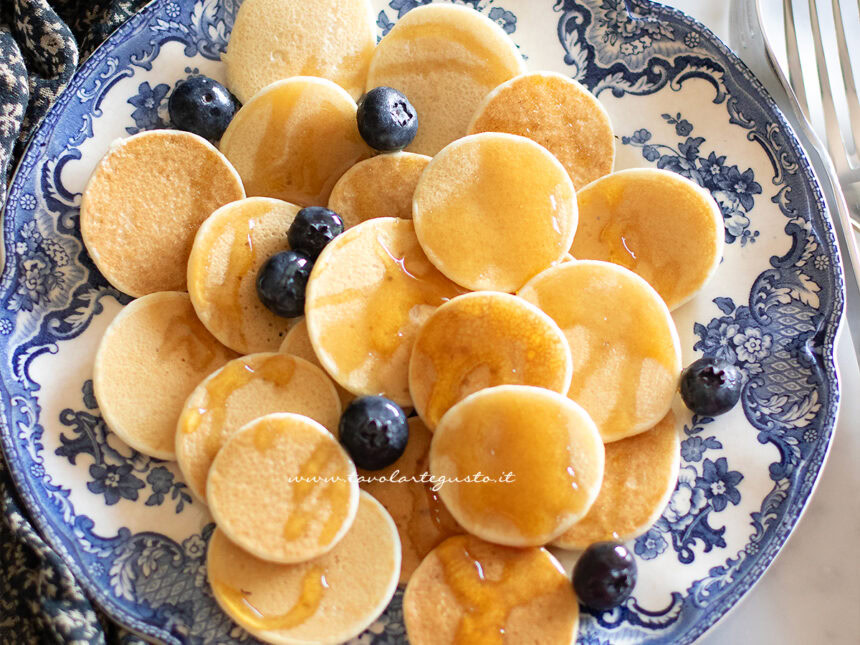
<point>127,525</point>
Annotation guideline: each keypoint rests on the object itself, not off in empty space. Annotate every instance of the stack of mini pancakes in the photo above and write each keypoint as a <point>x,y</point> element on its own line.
<point>541,385</point>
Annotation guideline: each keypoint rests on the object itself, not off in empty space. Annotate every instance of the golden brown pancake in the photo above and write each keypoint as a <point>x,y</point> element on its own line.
<point>294,140</point>
<point>422,520</point>
<point>381,186</point>
<point>558,113</point>
<point>626,352</point>
<point>283,489</point>
<point>483,339</point>
<point>640,475</point>
<point>445,59</point>
<point>541,449</point>
<point>330,599</point>
<point>244,389</point>
<point>492,210</point>
<point>369,292</point>
<point>144,202</point>
<point>152,355</point>
<point>228,251</point>
<point>276,39</point>
<point>657,223</point>
<point>298,343</point>
<point>468,591</point>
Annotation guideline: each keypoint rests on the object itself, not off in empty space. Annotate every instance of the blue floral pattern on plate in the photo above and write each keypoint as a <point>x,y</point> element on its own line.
<point>126,524</point>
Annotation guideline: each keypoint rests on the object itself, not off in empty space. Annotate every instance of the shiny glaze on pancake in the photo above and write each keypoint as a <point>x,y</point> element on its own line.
<point>492,210</point>
<point>244,389</point>
<point>625,348</point>
<point>283,489</point>
<point>656,223</point>
<point>545,441</point>
<point>483,339</point>
<point>470,592</point>
<point>294,140</point>
<point>368,294</point>
<point>319,601</point>
<point>228,251</point>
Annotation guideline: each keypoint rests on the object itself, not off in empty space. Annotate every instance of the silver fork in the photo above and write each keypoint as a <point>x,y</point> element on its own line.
<point>750,42</point>
<point>847,168</point>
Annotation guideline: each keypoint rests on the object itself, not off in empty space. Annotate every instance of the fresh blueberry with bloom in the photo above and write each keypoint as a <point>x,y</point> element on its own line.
<point>720,483</point>
<point>281,283</point>
<point>386,119</point>
<point>203,106</point>
<point>147,102</point>
<point>312,229</point>
<point>604,575</point>
<point>374,431</point>
<point>710,387</point>
<point>114,482</point>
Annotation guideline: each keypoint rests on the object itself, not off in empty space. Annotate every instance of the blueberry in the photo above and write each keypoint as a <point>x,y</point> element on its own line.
<point>604,575</point>
<point>374,432</point>
<point>281,283</point>
<point>312,229</point>
<point>386,119</point>
<point>710,387</point>
<point>203,106</point>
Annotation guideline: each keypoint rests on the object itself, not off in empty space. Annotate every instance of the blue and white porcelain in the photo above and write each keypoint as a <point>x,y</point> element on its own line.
<point>127,525</point>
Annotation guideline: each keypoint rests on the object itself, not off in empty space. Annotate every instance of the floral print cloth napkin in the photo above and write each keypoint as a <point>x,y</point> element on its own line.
<point>41,44</point>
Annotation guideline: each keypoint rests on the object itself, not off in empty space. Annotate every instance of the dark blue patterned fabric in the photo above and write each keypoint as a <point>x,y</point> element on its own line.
<point>41,44</point>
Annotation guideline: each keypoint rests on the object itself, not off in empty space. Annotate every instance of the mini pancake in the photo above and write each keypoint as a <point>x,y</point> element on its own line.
<point>558,113</point>
<point>625,347</point>
<point>493,210</point>
<point>294,140</point>
<point>445,59</point>
<point>656,223</point>
<point>483,339</point>
<point>640,475</point>
<point>275,39</point>
<point>283,489</point>
<point>381,186</point>
<point>422,520</point>
<point>152,355</point>
<point>298,343</point>
<point>228,251</point>
<point>470,591</point>
<point>144,202</point>
<point>244,389</point>
<point>370,291</point>
<point>540,456</point>
<point>329,600</point>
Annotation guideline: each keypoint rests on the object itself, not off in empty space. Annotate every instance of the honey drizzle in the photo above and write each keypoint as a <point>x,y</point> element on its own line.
<point>407,281</point>
<point>426,504</point>
<point>226,298</point>
<point>335,493</point>
<point>502,439</point>
<point>185,337</point>
<point>526,574</point>
<point>239,603</point>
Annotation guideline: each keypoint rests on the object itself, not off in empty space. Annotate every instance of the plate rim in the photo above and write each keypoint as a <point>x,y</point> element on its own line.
<point>651,8</point>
